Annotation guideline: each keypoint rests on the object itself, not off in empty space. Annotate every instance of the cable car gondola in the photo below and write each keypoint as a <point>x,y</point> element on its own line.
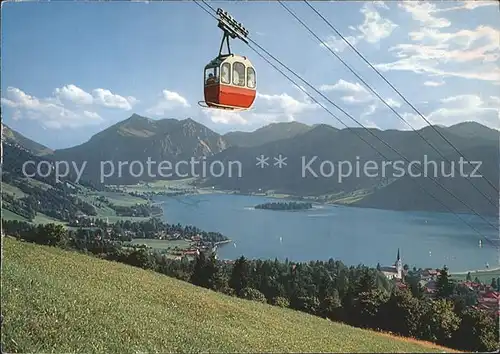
<point>229,79</point>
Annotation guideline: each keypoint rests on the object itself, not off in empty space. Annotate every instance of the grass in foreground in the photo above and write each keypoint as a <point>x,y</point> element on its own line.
<point>60,301</point>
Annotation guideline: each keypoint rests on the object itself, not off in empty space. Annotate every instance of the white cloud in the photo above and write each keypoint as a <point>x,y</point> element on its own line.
<point>373,29</point>
<point>456,109</point>
<point>266,109</point>
<point>108,99</point>
<point>91,115</point>
<point>102,97</point>
<point>380,4</point>
<point>369,110</point>
<point>392,102</point>
<point>423,12</point>
<point>338,44</point>
<point>73,94</point>
<point>225,117</point>
<point>465,53</point>
<point>286,105</point>
<point>354,92</point>
<point>468,107</point>
<point>169,100</point>
<point>434,83</point>
<point>48,111</point>
<point>469,5</point>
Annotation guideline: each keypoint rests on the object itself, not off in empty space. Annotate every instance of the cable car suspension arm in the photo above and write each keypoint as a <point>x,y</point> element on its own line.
<point>225,38</point>
<point>231,28</point>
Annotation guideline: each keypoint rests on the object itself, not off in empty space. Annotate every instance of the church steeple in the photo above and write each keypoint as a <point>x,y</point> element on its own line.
<point>399,266</point>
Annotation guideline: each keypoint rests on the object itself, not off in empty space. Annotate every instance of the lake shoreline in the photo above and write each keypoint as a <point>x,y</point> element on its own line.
<point>352,235</point>
<point>476,271</point>
<point>306,199</point>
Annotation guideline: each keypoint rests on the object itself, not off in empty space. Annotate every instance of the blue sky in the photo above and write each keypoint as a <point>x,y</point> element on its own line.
<point>71,69</point>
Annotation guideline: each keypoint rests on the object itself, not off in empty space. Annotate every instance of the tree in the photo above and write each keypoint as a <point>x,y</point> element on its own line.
<point>414,285</point>
<point>51,235</point>
<point>469,277</point>
<point>206,272</point>
<point>494,283</point>
<point>240,275</point>
<point>141,258</point>
<point>379,268</point>
<point>444,284</point>
<point>477,332</point>
<point>402,313</point>
<point>198,275</point>
<point>280,301</point>
<point>304,303</point>
<point>253,294</point>
<point>367,281</point>
<point>331,306</point>
<point>439,321</point>
<point>367,307</point>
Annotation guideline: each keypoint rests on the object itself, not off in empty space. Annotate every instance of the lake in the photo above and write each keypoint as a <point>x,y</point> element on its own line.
<point>351,235</point>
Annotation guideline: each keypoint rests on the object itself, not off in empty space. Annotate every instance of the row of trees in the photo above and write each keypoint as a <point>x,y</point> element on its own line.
<point>359,296</point>
<point>152,228</point>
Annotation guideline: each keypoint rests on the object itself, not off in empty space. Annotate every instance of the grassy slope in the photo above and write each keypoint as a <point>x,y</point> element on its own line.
<point>76,302</point>
<point>9,215</point>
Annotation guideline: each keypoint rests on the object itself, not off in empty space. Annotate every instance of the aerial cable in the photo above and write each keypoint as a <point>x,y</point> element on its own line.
<point>338,119</point>
<point>346,113</point>
<point>384,101</point>
<point>391,85</point>
<point>352,118</point>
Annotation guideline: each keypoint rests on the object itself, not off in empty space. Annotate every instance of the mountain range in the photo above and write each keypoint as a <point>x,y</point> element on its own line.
<point>139,138</point>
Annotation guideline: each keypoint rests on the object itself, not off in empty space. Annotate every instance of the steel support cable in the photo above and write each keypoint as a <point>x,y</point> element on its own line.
<point>350,129</point>
<point>395,90</point>
<point>384,101</point>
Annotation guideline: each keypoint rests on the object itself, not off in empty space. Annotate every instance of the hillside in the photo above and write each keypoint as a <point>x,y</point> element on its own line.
<point>325,143</point>
<point>45,199</point>
<point>266,134</point>
<point>101,306</point>
<point>139,138</point>
<point>11,136</point>
<point>405,194</point>
<point>320,147</point>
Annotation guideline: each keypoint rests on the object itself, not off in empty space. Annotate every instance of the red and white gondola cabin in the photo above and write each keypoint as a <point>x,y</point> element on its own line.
<point>230,83</point>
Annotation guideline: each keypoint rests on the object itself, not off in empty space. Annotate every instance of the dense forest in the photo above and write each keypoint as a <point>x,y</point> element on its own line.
<point>356,295</point>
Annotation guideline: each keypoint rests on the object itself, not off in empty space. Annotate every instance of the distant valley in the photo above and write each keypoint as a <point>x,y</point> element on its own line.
<point>139,138</point>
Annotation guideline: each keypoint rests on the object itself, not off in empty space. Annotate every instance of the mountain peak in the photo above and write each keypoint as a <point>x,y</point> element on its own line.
<point>13,137</point>
<point>136,117</point>
<point>189,120</point>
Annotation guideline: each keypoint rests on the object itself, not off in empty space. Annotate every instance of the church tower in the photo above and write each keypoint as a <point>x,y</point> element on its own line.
<point>399,267</point>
